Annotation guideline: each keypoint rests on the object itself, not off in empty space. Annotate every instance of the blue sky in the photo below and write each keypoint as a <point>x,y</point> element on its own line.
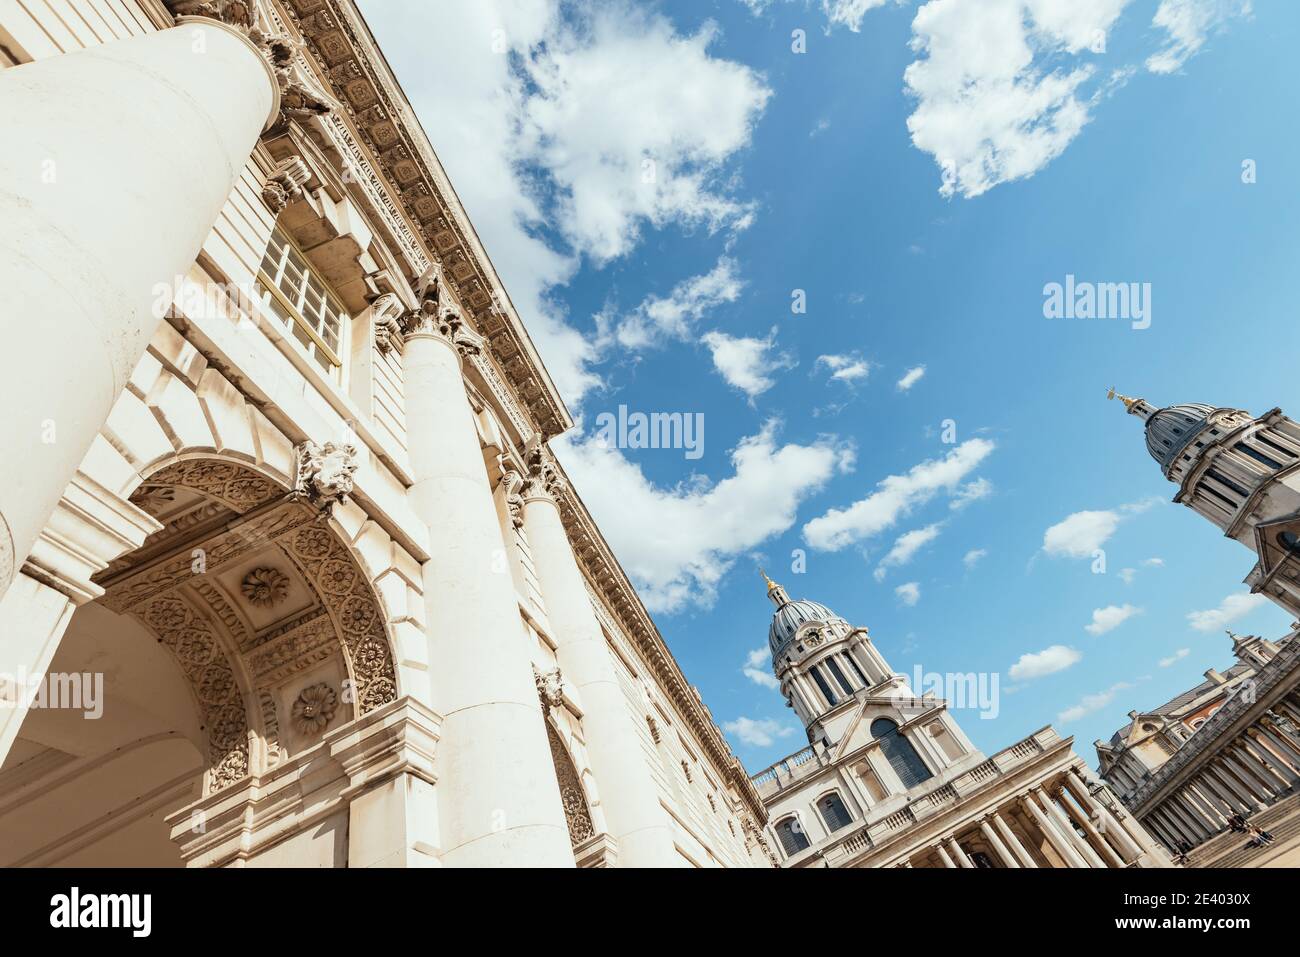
<point>656,183</point>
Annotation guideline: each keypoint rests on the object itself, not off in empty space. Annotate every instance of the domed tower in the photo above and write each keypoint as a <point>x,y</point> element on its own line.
<point>1240,472</point>
<point>822,661</point>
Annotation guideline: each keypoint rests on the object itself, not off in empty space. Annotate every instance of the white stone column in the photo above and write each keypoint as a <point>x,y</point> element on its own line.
<point>1095,839</point>
<point>1223,772</point>
<point>1013,841</point>
<point>1254,781</point>
<point>1255,742</point>
<point>33,617</point>
<point>995,842</point>
<point>1128,848</point>
<point>958,853</point>
<point>1062,819</point>
<point>117,161</point>
<point>628,793</point>
<point>1054,837</point>
<point>499,800</point>
<point>944,856</point>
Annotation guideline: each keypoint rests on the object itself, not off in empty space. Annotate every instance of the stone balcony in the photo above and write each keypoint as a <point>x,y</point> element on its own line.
<point>889,820</point>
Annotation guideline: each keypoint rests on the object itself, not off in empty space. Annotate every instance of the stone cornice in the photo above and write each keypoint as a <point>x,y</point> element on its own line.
<point>615,590</point>
<point>350,62</point>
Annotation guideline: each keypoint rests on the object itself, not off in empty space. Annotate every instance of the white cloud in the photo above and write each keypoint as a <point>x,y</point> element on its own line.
<point>971,492</point>
<point>1081,534</point>
<point>909,593</point>
<point>1109,618</point>
<point>1229,610</point>
<point>1092,702</point>
<point>1126,575</point>
<point>895,497</point>
<point>672,317</point>
<point>1177,656</point>
<point>1153,562</point>
<point>843,13</point>
<point>845,368</point>
<point>678,542</point>
<point>999,85</point>
<point>1188,24</point>
<point>758,668</point>
<point>761,733</point>
<point>910,378</point>
<point>1046,662</point>
<point>546,119</point>
<point>974,556</point>
<point>906,547</point>
<point>747,363</point>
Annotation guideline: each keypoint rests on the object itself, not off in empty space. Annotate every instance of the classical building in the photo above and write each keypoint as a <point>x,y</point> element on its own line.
<point>1229,748</point>
<point>289,573</point>
<point>889,779</point>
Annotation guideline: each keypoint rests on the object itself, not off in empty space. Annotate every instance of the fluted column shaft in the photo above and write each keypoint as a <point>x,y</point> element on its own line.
<point>499,800</point>
<point>117,161</point>
<point>627,791</point>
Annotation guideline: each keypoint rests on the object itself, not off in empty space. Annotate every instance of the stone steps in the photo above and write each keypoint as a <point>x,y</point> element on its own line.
<point>1231,849</point>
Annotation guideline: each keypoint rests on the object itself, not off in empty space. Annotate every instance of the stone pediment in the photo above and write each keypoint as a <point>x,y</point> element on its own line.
<point>1271,553</point>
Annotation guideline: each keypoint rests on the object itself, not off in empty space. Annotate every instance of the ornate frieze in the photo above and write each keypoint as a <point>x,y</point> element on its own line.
<point>189,637</point>
<point>325,473</point>
<point>576,812</point>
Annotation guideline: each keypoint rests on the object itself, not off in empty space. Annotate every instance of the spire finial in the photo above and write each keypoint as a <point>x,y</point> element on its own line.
<point>774,591</point>
<point>1128,403</point>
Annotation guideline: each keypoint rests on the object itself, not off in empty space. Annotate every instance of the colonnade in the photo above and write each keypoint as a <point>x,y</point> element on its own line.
<point>1244,775</point>
<point>146,137</point>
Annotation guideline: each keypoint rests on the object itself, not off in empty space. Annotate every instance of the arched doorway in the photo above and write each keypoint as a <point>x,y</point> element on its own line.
<point>236,636</point>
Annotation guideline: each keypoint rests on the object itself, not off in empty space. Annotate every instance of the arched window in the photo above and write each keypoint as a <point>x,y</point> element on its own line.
<point>833,812</point>
<point>900,754</point>
<point>790,833</point>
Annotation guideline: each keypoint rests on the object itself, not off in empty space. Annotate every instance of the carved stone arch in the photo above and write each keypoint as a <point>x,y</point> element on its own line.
<point>577,812</point>
<point>254,591</point>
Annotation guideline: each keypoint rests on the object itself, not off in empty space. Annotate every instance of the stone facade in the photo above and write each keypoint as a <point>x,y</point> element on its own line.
<point>889,779</point>
<point>285,487</point>
<point>1208,770</point>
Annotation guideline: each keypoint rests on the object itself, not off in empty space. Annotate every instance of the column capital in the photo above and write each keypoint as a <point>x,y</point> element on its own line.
<point>543,480</point>
<point>437,317</point>
<point>299,95</point>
